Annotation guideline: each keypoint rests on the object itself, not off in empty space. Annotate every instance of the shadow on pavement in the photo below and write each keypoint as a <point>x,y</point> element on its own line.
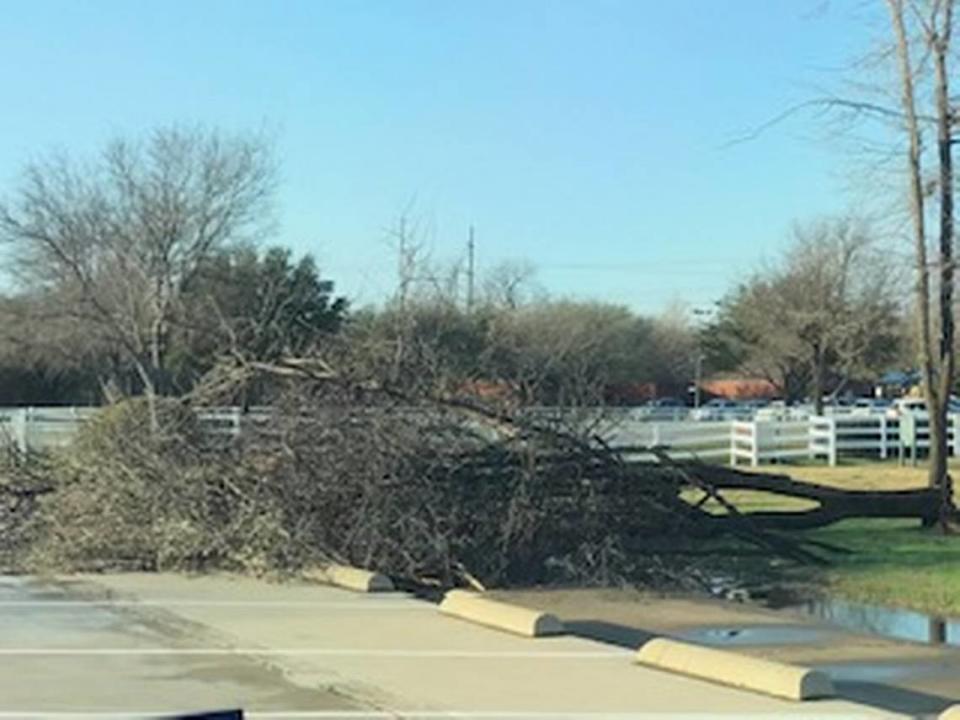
<point>894,699</point>
<point>874,694</point>
<point>609,633</point>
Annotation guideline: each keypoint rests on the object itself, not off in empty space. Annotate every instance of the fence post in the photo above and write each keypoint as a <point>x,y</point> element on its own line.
<point>733,444</point>
<point>20,420</point>
<point>656,434</point>
<point>237,412</point>
<point>832,424</point>
<point>883,437</point>
<point>754,444</point>
<point>955,426</point>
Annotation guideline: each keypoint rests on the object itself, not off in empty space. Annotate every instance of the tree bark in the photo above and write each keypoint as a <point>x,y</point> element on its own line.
<point>150,393</point>
<point>938,377</point>
<point>818,371</point>
<point>834,504</point>
<point>940,41</point>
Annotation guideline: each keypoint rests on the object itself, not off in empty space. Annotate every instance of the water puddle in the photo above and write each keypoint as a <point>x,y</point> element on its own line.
<point>878,620</point>
<point>756,635</point>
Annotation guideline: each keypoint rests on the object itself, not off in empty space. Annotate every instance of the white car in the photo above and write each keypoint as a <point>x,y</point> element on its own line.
<point>717,409</point>
<point>903,406</point>
<point>918,406</point>
<point>871,406</point>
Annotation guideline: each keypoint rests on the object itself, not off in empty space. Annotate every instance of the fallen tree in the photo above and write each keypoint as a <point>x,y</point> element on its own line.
<point>833,504</point>
<point>411,478</point>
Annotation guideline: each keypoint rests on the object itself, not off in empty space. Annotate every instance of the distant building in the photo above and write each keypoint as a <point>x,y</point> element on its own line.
<point>635,393</point>
<point>740,388</point>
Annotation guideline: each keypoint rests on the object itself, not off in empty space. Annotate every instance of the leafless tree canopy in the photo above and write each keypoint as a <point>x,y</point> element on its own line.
<point>828,311</point>
<point>115,240</point>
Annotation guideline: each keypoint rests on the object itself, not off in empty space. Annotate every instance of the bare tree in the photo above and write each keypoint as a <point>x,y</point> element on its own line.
<point>115,241</point>
<point>827,311</point>
<point>509,284</point>
<point>923,34</point>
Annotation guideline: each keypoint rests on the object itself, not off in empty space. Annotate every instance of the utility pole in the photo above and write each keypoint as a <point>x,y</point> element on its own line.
<point>699,314</point>
<point>402,274</point>
<point>698,377</point>
<point>471,251</point>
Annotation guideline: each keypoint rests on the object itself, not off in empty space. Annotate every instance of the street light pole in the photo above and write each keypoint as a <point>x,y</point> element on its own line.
<point>698,373</point>
<point>699,314</point>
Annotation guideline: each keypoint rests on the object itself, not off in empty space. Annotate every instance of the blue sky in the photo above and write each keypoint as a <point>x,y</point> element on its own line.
<point>586,137</point>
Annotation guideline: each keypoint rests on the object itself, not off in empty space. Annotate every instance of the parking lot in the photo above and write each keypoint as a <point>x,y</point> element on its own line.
<point>147,645</point>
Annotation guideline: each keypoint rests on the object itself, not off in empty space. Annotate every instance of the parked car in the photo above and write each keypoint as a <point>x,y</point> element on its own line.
<point>902,406</point>
<point>665,402</point>
<point>665,408</point>
<point>778,410</point>
<point>717,409</point>
<point>871,406</point>
<point>918,406</point>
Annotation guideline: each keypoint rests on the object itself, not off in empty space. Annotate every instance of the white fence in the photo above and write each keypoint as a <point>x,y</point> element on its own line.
<point>32,429</point>
<point>762,441</point>
<point>734,441</point>
<point>41,428</point>
<point>685,439</point>
<point>769,441</point>
<point>229,420</point>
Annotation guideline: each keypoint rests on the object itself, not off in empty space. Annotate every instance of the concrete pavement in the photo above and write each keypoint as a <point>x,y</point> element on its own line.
<point>393,654</point>
<point>62,658</point>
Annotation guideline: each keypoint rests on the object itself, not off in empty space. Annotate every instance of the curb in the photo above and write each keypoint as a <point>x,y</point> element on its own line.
<point>475,608</point>
<point>350,578</point>
<point>740,671</point>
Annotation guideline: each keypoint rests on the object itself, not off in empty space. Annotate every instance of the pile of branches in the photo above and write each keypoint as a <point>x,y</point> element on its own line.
<point>421,484</point>
<point>429,492</point>
<point>22,485</point>
<point>442,492</point>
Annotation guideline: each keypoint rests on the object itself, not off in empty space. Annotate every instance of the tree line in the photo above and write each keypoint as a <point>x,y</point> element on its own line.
<point>138,272</point>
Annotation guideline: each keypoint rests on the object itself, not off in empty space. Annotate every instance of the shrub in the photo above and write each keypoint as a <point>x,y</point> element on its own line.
<point>129,498</point>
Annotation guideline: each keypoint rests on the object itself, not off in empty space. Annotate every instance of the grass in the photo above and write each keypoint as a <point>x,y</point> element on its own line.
<point>892,562</point>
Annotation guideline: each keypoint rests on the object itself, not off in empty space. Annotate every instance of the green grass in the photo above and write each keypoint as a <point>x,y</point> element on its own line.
<point>892,562</point>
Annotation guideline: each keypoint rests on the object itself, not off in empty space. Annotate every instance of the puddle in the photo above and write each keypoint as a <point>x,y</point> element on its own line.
<point>755,635</point>
<point>878,620</point>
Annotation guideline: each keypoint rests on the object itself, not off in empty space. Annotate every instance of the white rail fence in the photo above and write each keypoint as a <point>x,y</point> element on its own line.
<point>734,441</point>
<point>41,428</point>
<point>758,442</point>
<point>684,439</point>
<point>32,429</point>
<point>769,441</point>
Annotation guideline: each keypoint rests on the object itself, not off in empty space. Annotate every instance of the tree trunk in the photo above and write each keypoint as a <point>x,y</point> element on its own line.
<point>833,504</point>
<point>940,41</point>
<point>150,393</point>
<point>937,470</point>
<point>932,382</point>
<point>157,371</point>
<point>818,371</point>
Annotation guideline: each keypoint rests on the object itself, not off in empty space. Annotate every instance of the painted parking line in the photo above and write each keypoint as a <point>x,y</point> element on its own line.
<point>390,715</point>
<point>532,715</point>
<point>365,604</point>
<point>334,652</point>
